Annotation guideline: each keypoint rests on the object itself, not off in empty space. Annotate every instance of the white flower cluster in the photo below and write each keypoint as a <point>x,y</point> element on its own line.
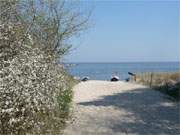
<point>32,86</point>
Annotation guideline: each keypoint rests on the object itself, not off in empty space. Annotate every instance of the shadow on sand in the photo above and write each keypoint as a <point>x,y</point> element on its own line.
<point>153,112</point>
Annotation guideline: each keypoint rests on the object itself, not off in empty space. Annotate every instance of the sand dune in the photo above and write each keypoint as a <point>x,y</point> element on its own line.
<point>117,108</point>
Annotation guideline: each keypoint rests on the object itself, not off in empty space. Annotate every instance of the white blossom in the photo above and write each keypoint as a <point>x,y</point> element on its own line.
<point>31,89</point>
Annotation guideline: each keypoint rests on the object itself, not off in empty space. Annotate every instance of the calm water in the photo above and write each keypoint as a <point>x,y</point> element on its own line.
<point>103,71</point>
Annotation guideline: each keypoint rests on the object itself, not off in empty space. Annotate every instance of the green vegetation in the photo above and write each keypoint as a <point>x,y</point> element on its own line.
<point>35,90</point>
<point>168,83</point>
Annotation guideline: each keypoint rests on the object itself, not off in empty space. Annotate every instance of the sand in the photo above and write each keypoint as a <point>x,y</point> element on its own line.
<point>120,108</point>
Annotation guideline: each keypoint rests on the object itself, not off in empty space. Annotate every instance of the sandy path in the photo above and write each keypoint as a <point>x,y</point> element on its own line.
<point>117,108</point>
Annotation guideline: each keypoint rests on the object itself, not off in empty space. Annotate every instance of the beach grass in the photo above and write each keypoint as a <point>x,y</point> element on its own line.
<point>168,83</point>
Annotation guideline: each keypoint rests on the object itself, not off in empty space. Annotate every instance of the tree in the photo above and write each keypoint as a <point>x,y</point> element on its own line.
<point>35,91</point>
<point>51,23</point>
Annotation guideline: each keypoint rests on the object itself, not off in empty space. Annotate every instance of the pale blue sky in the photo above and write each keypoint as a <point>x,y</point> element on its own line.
<point>130,31</point>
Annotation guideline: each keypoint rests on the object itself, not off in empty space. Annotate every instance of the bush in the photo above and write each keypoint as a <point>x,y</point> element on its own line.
<point>34,92</point>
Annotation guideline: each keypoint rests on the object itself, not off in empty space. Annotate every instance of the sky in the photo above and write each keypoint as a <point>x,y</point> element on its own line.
<point>129,31</point>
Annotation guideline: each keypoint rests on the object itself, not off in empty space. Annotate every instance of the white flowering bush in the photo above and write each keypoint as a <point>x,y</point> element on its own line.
<point>34,92</point>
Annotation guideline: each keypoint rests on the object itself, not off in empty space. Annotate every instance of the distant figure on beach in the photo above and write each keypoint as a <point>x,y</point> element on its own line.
<point>85,79</point>
<point>127,79</point>
<point>114,78</point>
<point>132,74</point>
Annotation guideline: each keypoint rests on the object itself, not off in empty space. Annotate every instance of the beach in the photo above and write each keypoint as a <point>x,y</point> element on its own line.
<point>117,108</point>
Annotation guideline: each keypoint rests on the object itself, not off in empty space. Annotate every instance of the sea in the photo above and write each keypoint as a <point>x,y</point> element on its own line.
<point>104,71</point>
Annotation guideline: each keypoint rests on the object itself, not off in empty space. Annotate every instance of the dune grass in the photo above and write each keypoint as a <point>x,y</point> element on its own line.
<point>168,83</point>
